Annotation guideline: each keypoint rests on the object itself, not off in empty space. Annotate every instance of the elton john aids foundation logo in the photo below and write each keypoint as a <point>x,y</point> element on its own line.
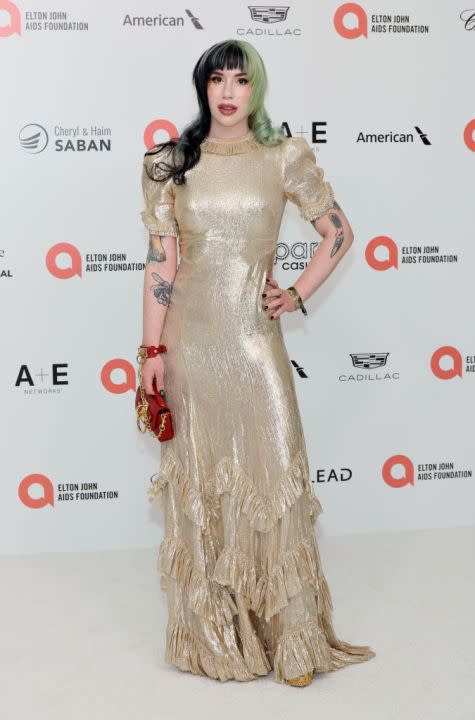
<point>128,381</point>
<point>391,259</point>
<point>382,253</point>
<point>170,130</point>
<point>39,20</point>
<point>469,135</point>
<point>444,354</point>
<point>36,492</point>
<point>396,462</point>
<point>32,482</point>
<point>10,19</point>
<point>64,261</point>
<point>351,21</point>
<point>400,470</point>
<point>72,268</point>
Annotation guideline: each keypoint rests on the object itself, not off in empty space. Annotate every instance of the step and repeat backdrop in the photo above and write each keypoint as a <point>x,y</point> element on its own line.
<point>384,363</point>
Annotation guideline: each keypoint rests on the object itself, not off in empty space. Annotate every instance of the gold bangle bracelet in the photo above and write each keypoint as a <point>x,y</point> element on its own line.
<point>297,299</point>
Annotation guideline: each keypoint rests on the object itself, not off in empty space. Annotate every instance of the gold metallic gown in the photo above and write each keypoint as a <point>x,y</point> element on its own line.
<point>239,560</point>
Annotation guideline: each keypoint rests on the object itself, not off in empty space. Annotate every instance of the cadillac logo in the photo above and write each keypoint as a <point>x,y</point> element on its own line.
<point>369,360</point>
<point>268,13</point>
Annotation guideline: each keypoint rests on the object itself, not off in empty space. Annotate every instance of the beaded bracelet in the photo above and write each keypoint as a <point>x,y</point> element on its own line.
<point>297,299</point>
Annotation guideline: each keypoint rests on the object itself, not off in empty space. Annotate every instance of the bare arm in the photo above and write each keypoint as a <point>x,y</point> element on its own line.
<point>337,236</point>
<point>160,271</point>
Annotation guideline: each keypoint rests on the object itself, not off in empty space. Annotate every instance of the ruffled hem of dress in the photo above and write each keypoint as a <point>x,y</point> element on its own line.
<point>234,571</point>
<point>269,594</point>
<point>186,652</point>
<point>263,512</point>
<point>306,647</point>
<point>205,598</point>
<point>312,645</point>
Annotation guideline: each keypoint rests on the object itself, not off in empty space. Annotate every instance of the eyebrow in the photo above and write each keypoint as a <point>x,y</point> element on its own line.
<point>219,72</point>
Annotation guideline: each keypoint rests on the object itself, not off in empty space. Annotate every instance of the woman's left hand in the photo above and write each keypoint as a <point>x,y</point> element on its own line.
<point>277,300</point>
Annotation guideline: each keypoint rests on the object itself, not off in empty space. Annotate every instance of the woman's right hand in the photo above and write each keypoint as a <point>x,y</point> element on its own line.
<point>153,368</point>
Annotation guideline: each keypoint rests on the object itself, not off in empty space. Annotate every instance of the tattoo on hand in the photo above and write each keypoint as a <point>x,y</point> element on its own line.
<point>155,254</point>
<point>161,289</point>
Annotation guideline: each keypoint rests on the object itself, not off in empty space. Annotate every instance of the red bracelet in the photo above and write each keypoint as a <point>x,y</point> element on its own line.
<point>147,351</point>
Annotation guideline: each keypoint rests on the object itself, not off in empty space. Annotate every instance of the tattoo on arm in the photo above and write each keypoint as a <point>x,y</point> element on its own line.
<point>340,236</point>
<point>155,254</point>
<point>339,233</point>
<point>162,289</point>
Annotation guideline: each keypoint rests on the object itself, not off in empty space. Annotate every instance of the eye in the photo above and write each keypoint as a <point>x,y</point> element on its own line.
<point>218,78</point>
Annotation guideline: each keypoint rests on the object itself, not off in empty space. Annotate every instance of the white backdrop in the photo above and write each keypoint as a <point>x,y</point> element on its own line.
<point>394,111</point>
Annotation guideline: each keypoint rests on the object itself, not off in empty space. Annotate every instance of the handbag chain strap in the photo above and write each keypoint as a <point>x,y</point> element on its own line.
<point>143,423</point>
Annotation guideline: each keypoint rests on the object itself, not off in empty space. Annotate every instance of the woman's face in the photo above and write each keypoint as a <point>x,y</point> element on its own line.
<point>229,87</point>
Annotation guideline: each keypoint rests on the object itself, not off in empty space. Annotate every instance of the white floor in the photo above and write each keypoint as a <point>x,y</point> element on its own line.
<point>82,636</point>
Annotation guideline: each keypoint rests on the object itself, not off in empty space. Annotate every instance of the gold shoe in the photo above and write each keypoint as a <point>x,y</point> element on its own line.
<point>301,680</point>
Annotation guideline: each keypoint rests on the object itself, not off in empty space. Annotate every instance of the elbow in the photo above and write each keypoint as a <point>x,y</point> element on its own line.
<point>348,233</point>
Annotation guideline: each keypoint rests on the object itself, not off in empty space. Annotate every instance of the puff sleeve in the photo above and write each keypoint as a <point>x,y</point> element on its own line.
<point>159,214</point>
<point>303,181</point>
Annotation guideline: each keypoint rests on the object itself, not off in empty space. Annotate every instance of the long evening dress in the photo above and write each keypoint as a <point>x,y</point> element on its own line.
<point>239,560</point>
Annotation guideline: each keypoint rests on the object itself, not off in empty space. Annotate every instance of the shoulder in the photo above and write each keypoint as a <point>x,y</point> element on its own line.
<point>296,150</point>
<point>295,142</point>
<point>154,157</point>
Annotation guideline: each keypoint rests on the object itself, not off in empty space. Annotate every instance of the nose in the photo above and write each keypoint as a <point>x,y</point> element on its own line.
<point>228,88</point>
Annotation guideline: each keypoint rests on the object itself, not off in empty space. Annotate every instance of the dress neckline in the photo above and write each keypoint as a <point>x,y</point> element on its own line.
<point>230,146</point>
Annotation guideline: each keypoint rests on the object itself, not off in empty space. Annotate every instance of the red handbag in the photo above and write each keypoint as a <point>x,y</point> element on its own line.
<point>153,413</point>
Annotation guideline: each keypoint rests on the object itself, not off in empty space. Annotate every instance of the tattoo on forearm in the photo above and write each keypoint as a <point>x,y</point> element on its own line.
<point>155,254</point>
<point>340,236</point>
<point>162,289</point>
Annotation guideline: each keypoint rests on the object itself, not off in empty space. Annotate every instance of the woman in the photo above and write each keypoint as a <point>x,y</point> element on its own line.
<point>239,560</point>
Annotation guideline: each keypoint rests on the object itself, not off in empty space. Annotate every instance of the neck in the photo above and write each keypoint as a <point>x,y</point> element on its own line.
<point>227,133</point>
